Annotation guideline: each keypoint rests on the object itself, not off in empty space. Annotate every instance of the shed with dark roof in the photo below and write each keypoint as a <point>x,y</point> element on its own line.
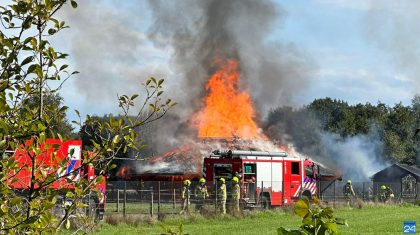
<point>403,179</point>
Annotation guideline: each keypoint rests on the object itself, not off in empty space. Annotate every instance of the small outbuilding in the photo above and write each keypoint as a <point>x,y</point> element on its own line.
<point>403,179</point>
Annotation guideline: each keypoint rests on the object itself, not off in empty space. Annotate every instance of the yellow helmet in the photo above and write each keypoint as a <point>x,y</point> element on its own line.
<point>383,187</point>
<point>222,180</point>
<point>187,182</point>
<point>202,180</point>
<point>349,181</point>
<point>235,179</point>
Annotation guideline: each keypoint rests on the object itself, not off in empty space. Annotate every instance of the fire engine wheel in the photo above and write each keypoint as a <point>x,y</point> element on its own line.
<point>306,194</point>
<point>92,210</point>
<point>265,203</point>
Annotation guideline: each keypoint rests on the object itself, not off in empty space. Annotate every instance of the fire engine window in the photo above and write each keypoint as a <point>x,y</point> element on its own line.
<point>309,171</point>
<point>223,170</point>
<point>249,168</point>
<point>295,168</point>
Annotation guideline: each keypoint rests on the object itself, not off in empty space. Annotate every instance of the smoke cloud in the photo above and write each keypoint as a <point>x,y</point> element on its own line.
<point>111,52</point>
<point>110,48</point>
<point>358,157</point>
<point>272,71</point>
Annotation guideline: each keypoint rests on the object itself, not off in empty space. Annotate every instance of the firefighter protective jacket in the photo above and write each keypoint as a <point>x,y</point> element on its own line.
<point>222,192</point>
<point>186,192</point>
<point>348,190</point>
<point>236,192</point>
<point>201,192</point>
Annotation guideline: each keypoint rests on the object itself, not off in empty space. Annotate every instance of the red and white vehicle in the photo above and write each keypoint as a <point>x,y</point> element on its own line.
<point>266,178</point>
<point>53,154</point>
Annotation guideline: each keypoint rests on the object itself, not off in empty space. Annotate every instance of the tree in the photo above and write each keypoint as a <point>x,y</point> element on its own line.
<point>53,102</point>
<point>28,63</point>
<point>394,126</point>
<point>399,131</point>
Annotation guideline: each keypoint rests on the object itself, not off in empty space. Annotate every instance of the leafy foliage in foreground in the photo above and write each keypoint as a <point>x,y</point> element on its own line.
<point>315,220</point>
<point>31,112</point>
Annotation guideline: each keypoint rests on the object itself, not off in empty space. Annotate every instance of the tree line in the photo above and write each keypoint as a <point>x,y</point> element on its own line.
<point>394,126</point>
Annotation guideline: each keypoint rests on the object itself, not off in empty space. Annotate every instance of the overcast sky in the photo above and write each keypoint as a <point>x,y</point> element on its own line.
<point>359,51</point>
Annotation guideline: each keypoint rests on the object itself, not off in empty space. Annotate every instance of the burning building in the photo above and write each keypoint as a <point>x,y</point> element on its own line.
<point>226,121</point>
<point>221,52</point>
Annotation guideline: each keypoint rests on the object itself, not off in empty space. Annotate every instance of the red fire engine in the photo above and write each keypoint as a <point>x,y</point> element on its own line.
<point>69,152</point>
<point>267,178</point>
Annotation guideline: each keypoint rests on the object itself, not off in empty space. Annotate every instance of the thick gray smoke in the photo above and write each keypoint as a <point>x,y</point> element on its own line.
<point>357,157</point>
<point>201,31</point>
<point>111,52</point>
<point>114,55</point>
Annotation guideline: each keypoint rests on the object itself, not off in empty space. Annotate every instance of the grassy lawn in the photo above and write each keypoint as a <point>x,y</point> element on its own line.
<point>378,219</point>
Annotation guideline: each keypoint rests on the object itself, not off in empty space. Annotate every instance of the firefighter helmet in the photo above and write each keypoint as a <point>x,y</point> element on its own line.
<point>202,180</point>
<point>349,181</point>
<point>187,182</point>
<point>235,179</point>
<point>383,187</point>
<point>222,180</point>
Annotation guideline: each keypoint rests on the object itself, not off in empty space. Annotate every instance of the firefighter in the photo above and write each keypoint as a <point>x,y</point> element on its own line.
<point>201,194</point>
<point>236,194</point>
<point>386,194</point>
<point>348,192</point>
<point>222,196</point>
<point>186,197</point>
<point>238,174</point>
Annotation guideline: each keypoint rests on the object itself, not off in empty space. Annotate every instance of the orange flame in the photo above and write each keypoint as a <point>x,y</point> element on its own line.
<point>228,112</point>
<point>124,172</point>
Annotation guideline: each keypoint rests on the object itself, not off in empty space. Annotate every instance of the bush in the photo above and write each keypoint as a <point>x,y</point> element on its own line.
<point>316,220</point>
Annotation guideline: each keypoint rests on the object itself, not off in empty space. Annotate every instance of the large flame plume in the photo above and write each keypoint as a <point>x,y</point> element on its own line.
<point>228,111</point>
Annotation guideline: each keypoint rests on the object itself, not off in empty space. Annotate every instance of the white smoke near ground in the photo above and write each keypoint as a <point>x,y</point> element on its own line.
<point>161,167</point>
<point>265,145</point>
<point>358,157</point>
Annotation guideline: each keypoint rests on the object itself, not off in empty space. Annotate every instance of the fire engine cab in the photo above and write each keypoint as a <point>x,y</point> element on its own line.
<point>69,152</point>
<point>266,178</point>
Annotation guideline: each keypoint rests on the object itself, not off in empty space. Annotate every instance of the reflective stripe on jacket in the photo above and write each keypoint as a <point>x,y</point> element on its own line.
<point>236,192</point>
<point>222,192</point>
<point>186,192</point>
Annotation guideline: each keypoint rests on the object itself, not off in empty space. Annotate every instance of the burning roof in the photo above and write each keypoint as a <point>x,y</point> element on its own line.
<point>226,121</point>
<point>228,111</point>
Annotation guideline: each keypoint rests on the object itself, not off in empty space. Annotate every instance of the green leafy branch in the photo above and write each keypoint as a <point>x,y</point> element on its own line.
<point>316,220</point>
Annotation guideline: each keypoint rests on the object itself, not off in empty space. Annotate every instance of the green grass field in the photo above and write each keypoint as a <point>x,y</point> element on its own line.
<point>373,219</point>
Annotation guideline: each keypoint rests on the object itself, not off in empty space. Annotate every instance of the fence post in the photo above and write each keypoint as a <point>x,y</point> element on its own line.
<point>319,182</point>
<point>118,200</point>
<point>151,203</point>
<point>159,197</point>
<point>334,193</point>
<point>363,191</point>
<point>261,193</point>
<point>215,197</point>
<point>173,198</point>
<point>125,198</point>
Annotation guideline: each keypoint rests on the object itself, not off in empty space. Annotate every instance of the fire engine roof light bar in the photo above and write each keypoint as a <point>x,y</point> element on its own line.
<point>240,153</point>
